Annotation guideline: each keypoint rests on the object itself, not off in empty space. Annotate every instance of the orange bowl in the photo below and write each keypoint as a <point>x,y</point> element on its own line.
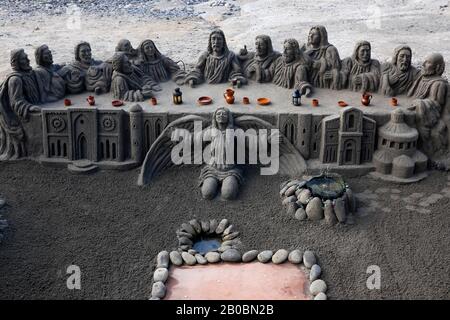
<point>204,101</point>
<point>263,101</point>
<point>342,104</point>
<point>117,103</point>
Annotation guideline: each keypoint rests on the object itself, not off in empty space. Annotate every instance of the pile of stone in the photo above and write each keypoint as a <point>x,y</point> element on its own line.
<point>303,205</point>
<point>3,222</point>
<point>194,229</point>
<point>307,260</point>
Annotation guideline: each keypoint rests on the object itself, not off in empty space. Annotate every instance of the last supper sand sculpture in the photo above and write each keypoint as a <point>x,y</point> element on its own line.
<point>44,114</point>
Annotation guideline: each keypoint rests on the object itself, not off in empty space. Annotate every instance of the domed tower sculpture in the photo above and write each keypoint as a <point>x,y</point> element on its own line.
<point>397,157</point>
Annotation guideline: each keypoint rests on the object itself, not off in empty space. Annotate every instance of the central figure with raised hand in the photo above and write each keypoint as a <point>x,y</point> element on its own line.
<point>217,65</point>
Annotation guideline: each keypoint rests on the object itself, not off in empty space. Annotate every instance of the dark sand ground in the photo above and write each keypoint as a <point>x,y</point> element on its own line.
<point>112,230</point>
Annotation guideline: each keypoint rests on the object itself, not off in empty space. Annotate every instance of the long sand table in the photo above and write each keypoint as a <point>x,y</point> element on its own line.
<point>281,101</point>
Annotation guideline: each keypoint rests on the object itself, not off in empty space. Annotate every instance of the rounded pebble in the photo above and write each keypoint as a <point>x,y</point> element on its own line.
<point>318,286</point>
<point>175,258</point>
<point>290,191</point>
<point>158,290</point>
<point>300,214</point>
<point>328,211</point>
<point>292,208</point>
<point>320,296</point>
<point>304,196</point>
<point>231,236</point>
<point>224,248</point>
<point>186,227</point>
<point>196,225</point>
<point>314,209</point>
<point>289,200</point>
<point>212,257</point>
<point>315,272</point>
<point>222,226</point>
<point>265,256</point>
<point>162,260</point>
<point>205,226</point>
<point>185,241</point>
<point>188,258</point>
<point>212,226</point>
<point>250,256</point>
<point>231,255</point>
<point>160,274</point>
<point>200,259</point>
<point>339,210</point>
<point>309,259</point>
<point>296,256</point>
<point>228,230</point>
<point>280,256</point>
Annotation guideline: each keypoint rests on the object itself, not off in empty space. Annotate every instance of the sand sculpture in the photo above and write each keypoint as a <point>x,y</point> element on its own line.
<point>128,83</point>
<point>157,66</point>
<point>362,73</point>
<point>19,95</point>
<point>136,75</point>
<point>85,73</point>
<point>326,67</point>
<point>257,65</point>
<point>218,64</point>
<point>398,75</point>
<point>291,69</point>
<point>51,85</point>
<point>217,174</point>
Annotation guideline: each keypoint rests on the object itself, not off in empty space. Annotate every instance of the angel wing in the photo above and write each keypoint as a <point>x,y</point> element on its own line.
<point>158,157</point>
<point>292,162</point>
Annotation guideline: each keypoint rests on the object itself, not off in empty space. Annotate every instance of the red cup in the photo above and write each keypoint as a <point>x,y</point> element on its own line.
<point>154,101</point>
<point>91,100</point>
<point>67,102</point>
<point>315,102</point>
<point>394,102</point>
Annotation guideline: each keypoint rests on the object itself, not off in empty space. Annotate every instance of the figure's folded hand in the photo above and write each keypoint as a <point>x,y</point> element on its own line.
<point>34,109</point>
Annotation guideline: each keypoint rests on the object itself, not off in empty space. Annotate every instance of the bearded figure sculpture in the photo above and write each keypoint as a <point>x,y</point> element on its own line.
<point>85,73</point>
<point>19,95</point>
<point>52,86</point>
<point>326,66</point>
<point>128,83</point>
<point>257,65</point>
<point>362,73</point>
<point>398,75</point>
<point>431,93</point>
<point>291,69</point>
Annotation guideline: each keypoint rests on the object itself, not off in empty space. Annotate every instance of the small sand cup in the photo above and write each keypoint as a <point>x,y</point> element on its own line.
<point>394,102</point>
